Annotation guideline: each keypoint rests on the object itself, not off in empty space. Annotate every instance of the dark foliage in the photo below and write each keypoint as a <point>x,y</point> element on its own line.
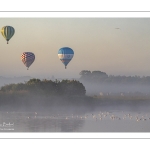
<point>47,87</point>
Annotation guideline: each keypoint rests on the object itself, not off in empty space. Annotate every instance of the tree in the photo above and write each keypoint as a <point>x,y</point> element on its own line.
<point>33,81</point>
<point>85,75</point>
<point>71,87</point>
<point>99,76</point>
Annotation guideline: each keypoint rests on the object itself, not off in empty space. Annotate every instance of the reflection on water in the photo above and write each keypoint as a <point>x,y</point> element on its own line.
<point>39,122</point>
<point>92,121</point>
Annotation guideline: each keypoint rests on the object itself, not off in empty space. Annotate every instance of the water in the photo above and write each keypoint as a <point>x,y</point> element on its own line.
<point>98,120</point>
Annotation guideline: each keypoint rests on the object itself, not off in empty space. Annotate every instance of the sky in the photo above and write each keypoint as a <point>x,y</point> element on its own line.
<point>115,45</point>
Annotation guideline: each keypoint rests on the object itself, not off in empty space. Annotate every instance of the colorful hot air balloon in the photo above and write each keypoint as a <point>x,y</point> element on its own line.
<point>7,32</point>
<point>27,58</point>
<point>65,54</point>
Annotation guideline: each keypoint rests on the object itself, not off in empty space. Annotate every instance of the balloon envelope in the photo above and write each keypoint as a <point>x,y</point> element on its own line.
<point>7,32</point>
<point>65,54</point>
<point>27,58</point>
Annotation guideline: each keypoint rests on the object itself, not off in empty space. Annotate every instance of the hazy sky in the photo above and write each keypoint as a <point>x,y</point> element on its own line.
<point>96,42</point>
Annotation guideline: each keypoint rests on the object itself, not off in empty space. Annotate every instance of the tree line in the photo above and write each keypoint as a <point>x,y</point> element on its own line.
<point>47,87</point>
<point>37,94</point>
<point>101,77</point>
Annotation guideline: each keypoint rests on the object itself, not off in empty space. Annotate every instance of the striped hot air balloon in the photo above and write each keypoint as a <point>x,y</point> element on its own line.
<point>7,32</point>
<point>27,58</point>
<point>65,54</point>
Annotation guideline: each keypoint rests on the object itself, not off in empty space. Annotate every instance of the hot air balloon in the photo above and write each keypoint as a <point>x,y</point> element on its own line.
<point>65,54</point>
<point>27,58</point>
<point>7,32</point>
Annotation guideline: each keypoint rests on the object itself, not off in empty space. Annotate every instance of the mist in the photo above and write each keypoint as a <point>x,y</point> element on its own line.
<point>103,89</point>
<point>99,83</point>
<point>10,80</point>
<point>37,111</point>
